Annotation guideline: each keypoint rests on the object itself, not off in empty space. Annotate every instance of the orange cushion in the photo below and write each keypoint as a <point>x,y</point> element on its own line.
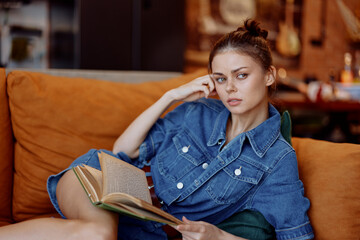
<point>4,223</point>
<point>331,176</point>
<point>56,119</point>
<point>6,153</point>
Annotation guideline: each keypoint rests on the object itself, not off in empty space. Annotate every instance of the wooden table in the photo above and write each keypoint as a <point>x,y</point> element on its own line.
<point>342,114</point>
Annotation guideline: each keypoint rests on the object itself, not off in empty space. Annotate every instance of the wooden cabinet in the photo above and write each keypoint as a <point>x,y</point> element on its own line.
<point>127,34</point>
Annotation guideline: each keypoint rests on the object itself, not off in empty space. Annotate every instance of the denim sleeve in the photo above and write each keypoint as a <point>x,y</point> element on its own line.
<point>281,200</point>
<point>155,138</point>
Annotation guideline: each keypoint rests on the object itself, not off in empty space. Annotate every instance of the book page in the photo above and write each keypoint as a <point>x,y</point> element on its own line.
<point>97,177</point>
<point>89,178</point>
<point>139,207</point>
<point>144,214</point>
<point>120,176</point>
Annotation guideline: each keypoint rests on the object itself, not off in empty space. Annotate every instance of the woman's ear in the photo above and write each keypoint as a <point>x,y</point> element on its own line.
<point>270,77</point>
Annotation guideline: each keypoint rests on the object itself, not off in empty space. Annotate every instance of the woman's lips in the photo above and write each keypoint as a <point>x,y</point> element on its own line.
<point>234,101</point>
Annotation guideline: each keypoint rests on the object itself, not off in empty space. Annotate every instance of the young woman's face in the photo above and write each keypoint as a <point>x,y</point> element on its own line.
<point>240,82</point>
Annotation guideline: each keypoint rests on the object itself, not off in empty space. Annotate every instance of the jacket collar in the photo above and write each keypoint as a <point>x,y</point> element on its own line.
<point>261,138</point>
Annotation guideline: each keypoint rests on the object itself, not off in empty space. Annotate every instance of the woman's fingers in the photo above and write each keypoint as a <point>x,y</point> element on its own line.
<point>196,89</point>
<point>210,85</point>
<point>205,89</point>
<point>199,230</point>
<point>191,226</point>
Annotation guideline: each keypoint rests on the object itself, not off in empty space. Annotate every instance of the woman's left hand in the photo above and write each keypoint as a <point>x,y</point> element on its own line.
<point>199,230</point>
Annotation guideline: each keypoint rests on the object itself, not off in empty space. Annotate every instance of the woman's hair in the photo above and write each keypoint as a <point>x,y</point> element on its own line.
<point>248,39</point>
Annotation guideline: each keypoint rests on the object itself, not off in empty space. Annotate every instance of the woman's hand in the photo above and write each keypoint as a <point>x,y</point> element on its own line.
<point>194,90</point>
<point>199,230</point>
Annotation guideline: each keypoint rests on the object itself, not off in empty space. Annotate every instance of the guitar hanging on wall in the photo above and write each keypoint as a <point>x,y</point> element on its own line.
<point>288,41</point>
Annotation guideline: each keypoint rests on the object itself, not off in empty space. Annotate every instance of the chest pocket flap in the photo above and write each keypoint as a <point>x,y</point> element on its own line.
<point>181,157</point>
<point>236,179</point>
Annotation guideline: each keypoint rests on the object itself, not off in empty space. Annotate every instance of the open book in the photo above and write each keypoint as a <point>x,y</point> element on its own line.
<point>122,188</point>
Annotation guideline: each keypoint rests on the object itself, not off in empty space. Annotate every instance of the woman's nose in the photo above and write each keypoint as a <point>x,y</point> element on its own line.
<point>230,86</point>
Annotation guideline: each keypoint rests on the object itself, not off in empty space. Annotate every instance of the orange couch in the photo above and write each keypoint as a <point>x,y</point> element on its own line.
<point>47,121</point>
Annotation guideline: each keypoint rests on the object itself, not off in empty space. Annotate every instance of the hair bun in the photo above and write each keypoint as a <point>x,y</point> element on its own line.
<point>252,27</point>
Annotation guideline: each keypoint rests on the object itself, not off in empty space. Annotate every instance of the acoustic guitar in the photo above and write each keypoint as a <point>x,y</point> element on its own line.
<point>287,41</point>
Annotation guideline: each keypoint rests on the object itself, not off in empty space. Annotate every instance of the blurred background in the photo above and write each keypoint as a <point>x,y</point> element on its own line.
<point>315,45</point>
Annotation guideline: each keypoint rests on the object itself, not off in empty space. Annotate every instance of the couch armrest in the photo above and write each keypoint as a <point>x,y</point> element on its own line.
<point>6,154</point>
<point>331,176</point>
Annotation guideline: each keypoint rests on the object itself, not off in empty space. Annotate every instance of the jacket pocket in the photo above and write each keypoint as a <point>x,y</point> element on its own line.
<point>181,157</point>
<point>231,183</point>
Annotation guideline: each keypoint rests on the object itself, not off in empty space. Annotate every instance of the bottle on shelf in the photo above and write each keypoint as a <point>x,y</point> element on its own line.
<point>357,67</point>
<point>346,74</point>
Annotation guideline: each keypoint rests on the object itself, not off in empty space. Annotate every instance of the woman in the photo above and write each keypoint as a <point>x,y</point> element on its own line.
<point>210,159</point>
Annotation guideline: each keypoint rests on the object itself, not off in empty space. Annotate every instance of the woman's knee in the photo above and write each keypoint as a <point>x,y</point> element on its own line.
<point>73,201</point>
<point>74,204</point>
<point>70,195</point>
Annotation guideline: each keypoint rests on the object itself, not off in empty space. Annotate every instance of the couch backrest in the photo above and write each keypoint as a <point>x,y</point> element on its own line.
<point>57,119</point>
<point>6,154</point>
<point>109,75</point>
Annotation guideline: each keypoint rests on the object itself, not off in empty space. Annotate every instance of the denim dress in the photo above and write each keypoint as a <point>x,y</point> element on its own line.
<point>197,176</point>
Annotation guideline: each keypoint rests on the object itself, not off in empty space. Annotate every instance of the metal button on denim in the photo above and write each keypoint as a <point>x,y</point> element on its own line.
<point>237,171</point>
<point>185,149</point>
<point>205,165</point>
<point>180,185</point>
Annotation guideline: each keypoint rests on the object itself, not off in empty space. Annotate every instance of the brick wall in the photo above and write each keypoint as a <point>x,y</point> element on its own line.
<point>315,60</point>
<point>320,60</point>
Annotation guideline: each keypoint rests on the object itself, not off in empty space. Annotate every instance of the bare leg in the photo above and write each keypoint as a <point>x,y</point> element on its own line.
<point>84,220</point>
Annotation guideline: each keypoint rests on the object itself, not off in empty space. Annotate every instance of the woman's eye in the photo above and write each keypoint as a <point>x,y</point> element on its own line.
<point>242,75</point>
<point>220,79</point>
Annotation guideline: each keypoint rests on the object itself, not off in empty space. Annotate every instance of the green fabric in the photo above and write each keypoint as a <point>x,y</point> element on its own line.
<point>285,127</point>
<point>251,224</point>
<point>248,224</point>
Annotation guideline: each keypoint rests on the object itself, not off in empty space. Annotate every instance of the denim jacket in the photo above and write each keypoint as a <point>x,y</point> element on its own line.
<point>196,176</point>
